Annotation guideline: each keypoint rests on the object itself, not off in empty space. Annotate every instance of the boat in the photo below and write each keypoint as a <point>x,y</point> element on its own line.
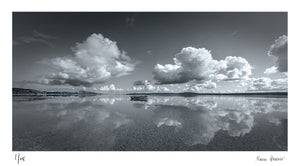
<point>139,98</point>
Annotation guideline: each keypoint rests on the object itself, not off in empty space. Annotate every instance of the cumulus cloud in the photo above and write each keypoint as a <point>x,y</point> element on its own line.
<point>198,64</point>
<point>147,86</point>
<point>94,61</point>
<point>271,70</point>
<point>110,87</point>
<point>152,88</point>
<point>280,83</point>
<point>140,82</point>
<point>265,83</point>
<point>261,83</point>
<point>201,86</point>
<point>279,50</point>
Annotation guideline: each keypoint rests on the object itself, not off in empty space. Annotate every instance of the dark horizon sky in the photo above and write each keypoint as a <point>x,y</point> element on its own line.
<point>148,38</point>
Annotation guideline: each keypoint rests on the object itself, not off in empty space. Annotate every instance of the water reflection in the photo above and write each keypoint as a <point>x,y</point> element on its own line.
<point>197,119</point>
<point>198,126</point>
<point>67,125</point>
<point>160,123</point>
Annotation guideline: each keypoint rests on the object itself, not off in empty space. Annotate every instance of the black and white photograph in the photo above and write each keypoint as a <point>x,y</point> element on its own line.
<point>172,83</point>
<point>150,81</point>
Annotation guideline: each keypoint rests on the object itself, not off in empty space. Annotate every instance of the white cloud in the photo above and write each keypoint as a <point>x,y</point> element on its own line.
<point>139,82</point>
<point>151,88</point>
<point>110,87</point>
<point>198,64</point>
<point>242,83</point>
<point>265,83</point>
<point>200,87</point>
<point>262,83</point>
<point>95,60</point>
<point>271,70</point>
<point>147,86</point>
<point>279,50</point>
<point>280,83</point>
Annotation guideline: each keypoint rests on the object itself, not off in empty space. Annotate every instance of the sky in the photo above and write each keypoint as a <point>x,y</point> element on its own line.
<point>150,51</point>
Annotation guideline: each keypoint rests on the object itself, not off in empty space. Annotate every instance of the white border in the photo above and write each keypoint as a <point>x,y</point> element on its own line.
<point>146,158</point>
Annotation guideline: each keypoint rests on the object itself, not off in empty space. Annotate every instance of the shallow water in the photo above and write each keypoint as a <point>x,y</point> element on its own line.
<point>106,123</point>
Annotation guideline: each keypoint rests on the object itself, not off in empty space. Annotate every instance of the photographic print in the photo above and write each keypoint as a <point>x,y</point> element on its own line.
<point>150,81</point>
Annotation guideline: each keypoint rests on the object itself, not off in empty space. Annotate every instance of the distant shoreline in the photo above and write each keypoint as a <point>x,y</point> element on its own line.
<point>20,92</point>
<point>191,94</point>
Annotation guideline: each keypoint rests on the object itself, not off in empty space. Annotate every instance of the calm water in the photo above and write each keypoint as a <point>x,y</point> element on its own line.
<point>108,123</point>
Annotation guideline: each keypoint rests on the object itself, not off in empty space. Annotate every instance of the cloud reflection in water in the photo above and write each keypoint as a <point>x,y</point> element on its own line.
<point>163,122</point>
<point>197,119</point>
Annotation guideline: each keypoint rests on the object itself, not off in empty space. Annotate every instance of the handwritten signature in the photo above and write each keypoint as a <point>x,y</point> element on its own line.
<point>19,158</point>
<point>270,158</point>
